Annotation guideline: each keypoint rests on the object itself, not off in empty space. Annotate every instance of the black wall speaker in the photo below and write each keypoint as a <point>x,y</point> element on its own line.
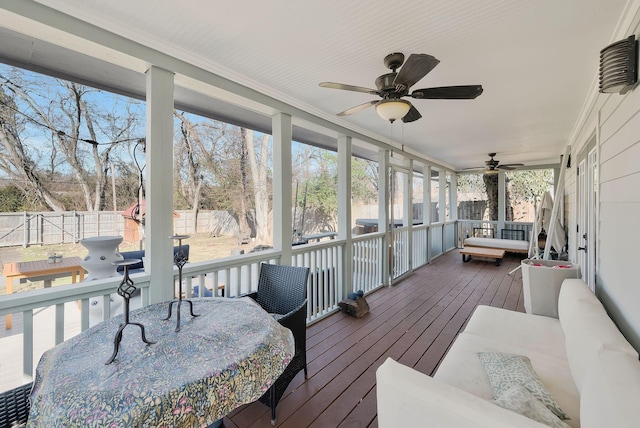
<point>618,66</point>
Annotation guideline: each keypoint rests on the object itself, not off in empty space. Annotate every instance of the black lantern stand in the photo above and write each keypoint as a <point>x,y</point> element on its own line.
<point>126,290</point>
<point>180,259</point>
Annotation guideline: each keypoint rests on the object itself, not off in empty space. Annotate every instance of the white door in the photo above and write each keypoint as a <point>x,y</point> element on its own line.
<point>587,181</point>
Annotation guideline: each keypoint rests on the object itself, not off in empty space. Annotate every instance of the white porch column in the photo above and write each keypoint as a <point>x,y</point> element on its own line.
<point>426,194</point>
<point>426,205</point>
<point>408,209</point>
<point>502,192</point>
<point>383,213</point>
<point>159,184</point>
<point>282,232</point>
<point>442,196</point>
<point>408,195</point>
<point>453,205</point>
<point>453,197</point>
<point>442,205</point>
<point>344,212</point>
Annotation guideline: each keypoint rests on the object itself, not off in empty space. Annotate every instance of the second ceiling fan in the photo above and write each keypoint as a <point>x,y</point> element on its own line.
<point>493,166</point>
<point>392,87</point>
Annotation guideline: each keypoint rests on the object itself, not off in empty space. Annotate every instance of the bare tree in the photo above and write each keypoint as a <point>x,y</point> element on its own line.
<point>259,174</point>
<point>59,128</point>
<point>191,185</point>
<point>211,165</point>
<point>491,184</point>
<point>241,199</point>
<point>16,159</point>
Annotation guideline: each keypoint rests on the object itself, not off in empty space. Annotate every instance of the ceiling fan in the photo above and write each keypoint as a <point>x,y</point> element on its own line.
<point>392,87</point>
<point>493,166</point>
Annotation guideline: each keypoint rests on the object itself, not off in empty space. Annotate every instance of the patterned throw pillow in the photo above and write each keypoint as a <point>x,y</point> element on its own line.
<point>518,399</point>
<point>506,370</point>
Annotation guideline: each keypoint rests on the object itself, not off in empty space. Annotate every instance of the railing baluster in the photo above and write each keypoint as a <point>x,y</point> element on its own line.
<point>311,287</point>
<point>106,307</point>
<point>214,277</point>
<point>249,279</point>
<point>227,283</point>
<point>315,300</point>
<point>333,277</point>
<point>84,314</point>
<point>187,287</point>
<point>59,323</point>
<point>325,283</point>
<point>27,342</point>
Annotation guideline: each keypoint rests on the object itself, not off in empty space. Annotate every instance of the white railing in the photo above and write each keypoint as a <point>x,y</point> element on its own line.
<point>449,238</point>
<point>420,254</point>
<point>400,239</point>
<point>53,313</point>
<point>437,231</point>
<point>229,276</point>
<point>325,285</point>
<point>368,262</point>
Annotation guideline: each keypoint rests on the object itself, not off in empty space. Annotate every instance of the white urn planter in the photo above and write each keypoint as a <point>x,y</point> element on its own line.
<point>103,251</point>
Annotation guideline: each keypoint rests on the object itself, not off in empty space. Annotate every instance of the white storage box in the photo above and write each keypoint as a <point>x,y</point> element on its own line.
<point>541,281</point>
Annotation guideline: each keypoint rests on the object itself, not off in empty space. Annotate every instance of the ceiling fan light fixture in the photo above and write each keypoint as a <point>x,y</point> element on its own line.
<point>393,109</point>
<point>491,171</point>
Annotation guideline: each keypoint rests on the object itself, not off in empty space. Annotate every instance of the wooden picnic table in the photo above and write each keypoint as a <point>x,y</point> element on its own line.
<point>42,269</point>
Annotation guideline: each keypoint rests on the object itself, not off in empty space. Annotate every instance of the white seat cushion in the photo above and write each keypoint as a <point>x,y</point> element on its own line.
<point>408,398</point>
<point>462,368</point>
<point>506,244</point>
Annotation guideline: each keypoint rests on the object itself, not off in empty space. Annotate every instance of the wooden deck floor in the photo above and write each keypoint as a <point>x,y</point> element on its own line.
<point>414,322</point>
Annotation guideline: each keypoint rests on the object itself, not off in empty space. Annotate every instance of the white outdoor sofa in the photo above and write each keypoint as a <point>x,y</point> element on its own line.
<point>582,359</point>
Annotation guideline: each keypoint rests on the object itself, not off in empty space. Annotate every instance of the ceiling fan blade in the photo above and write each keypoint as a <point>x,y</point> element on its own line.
<point>414,69</point>
<point>466,92</point>
<point>358,108</point>
<point>412,115</point>
<point>505,167</point>
<point>502,165</point>
<point>333,85</point>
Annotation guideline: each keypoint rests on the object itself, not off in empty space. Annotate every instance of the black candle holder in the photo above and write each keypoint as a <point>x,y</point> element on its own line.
<point>126,290</point>
<point>180,259</point>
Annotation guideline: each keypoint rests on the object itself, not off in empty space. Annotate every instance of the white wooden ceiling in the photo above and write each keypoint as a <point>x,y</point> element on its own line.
<point>537,60</point>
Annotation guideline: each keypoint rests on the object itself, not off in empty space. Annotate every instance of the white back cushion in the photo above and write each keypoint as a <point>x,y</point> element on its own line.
<point>611,392</point>
<point>587,327</point>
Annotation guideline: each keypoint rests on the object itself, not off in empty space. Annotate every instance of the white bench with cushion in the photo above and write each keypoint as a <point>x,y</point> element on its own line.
<point>509,245</point>
<point>581,359</point>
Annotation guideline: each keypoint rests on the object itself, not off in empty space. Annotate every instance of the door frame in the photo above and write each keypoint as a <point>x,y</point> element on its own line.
<point>402,175</point>
<point>586,214</point>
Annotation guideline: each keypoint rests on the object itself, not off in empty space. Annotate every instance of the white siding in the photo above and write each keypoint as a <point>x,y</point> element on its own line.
<point>618,119</point>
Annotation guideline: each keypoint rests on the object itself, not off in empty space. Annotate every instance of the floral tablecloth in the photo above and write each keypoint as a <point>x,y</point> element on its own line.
<point>226,357</point>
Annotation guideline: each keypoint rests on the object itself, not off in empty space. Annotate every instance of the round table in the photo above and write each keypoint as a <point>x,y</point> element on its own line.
<point>226,357</point>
